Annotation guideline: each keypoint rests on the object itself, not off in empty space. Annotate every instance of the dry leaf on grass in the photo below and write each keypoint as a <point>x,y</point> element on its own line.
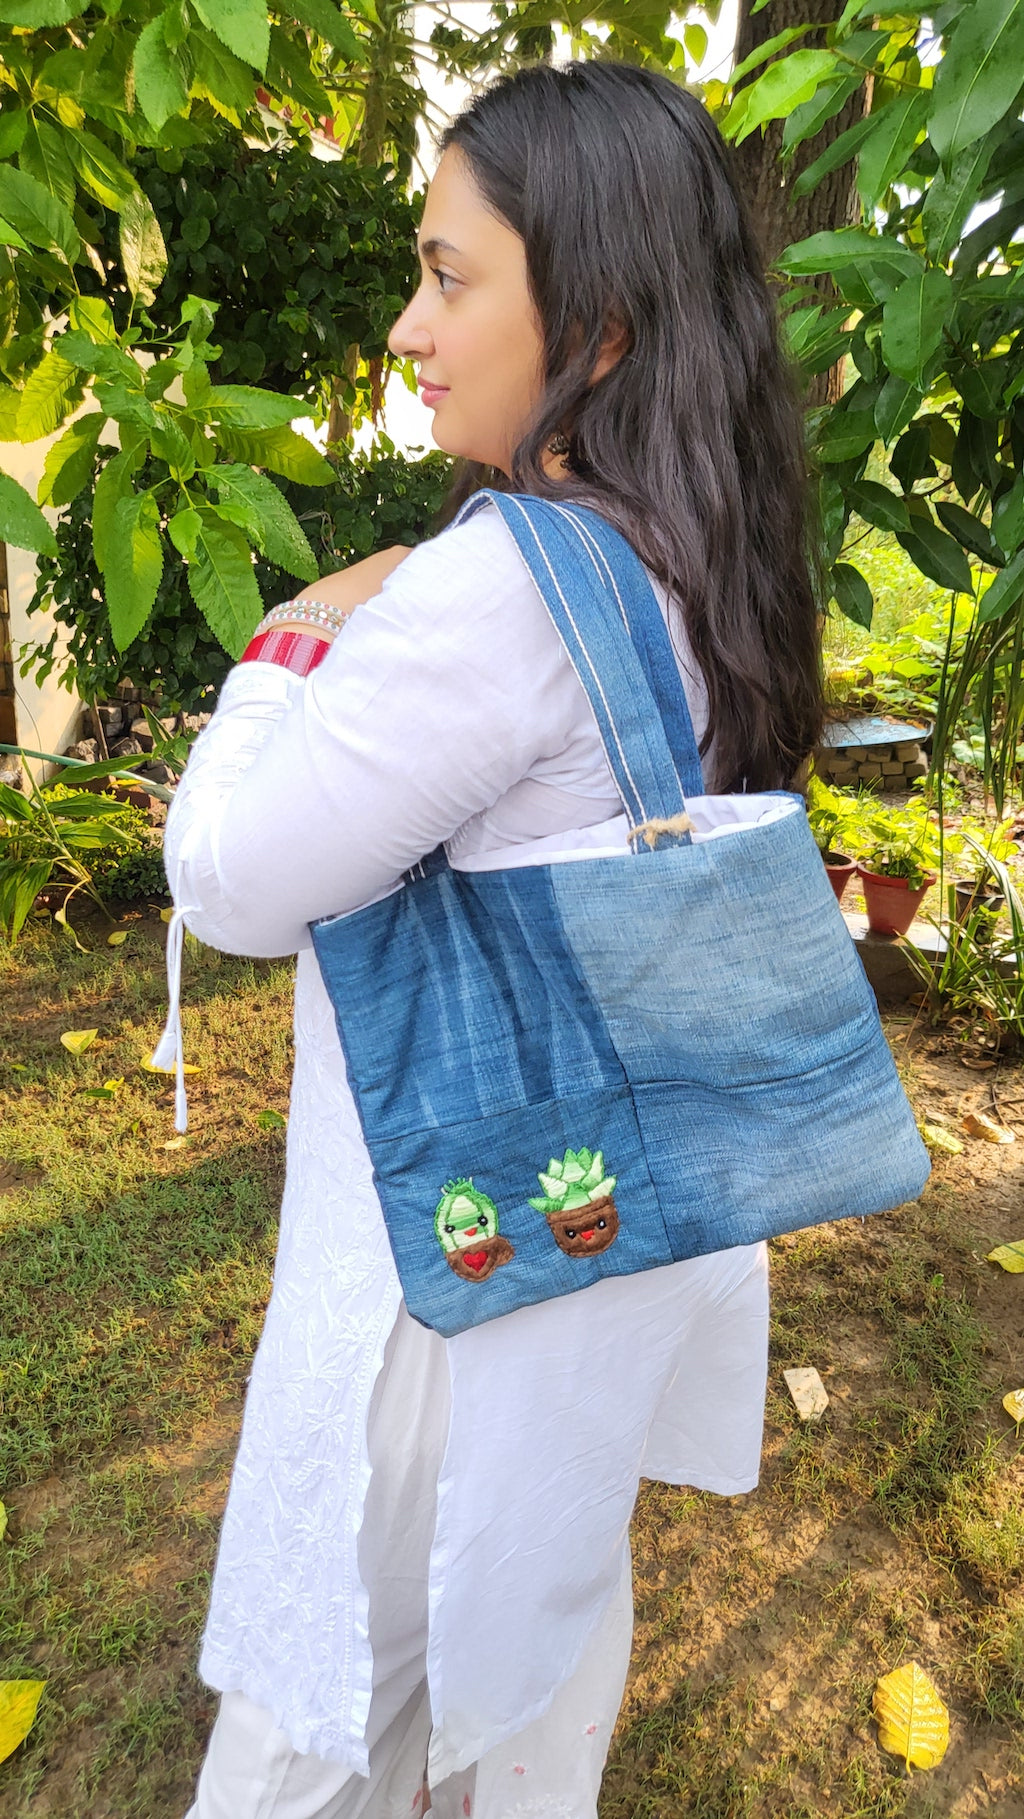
<point>3,1520</point>
<point>148,1068</point>
<point>19,1700</point>
<point>912,1720</point>
<point>977,1125</point>
<point>1009,1256</point>
<point>118,938</point>
<point>1013,1403</point>
<point>77,1041</point>
<point>938,1139</point>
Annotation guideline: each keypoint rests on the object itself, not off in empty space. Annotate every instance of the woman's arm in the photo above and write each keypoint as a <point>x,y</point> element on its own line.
<point>308,798</point>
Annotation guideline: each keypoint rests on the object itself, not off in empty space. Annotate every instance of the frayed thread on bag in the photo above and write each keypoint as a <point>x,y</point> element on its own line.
<point>653,831</point>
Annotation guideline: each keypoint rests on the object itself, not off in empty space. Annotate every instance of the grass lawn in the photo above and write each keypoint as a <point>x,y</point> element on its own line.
<point>135,1274</point>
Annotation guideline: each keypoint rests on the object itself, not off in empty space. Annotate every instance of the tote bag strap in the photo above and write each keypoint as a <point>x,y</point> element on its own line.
<point>604,609</point>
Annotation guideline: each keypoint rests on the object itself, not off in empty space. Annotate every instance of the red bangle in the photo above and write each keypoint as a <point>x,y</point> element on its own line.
<point>298,651</point>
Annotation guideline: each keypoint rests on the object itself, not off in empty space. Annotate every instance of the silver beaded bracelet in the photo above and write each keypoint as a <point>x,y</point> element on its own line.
<point>305,612</point>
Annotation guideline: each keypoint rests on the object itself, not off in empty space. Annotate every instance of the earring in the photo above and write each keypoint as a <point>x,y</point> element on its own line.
<point>559,444</point>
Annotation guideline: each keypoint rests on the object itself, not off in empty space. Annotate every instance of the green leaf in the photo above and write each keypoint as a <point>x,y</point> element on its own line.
<point>845,433</point>
<point>808,119</point>
<point>938,556</point>
<point>266,517</point>
<point>134,566</point>
<point>783,86</point>
<point>223,584</point>
<point>50,392</point>
<point>1008,516</point>
<point>970,531</point>
<point>44,156</point>
<point>895,407</point>
<point>183,530</point>
<point>853,594</point>
<point>1004,591</point>
<point>245,407</point>
<point>770,48</point>
<point>38,15</point>
<point>243,25</point>
<point>220,78</point>
<point>913,321</point>
<point>143,253</point>
<point>93,315</point>
<point>838,153</point>
<point>980,75</point>
<point>283,451</point>
<point>324,19</point>
<point>103,175</point>
<point>113,485</point>
<point>951,196</point>
<point>162,75</point>
<point>13,128</point>
<point>21,521</point>
<point>34,212</point>
<point>910,458</point>
<point>829,252</point>
<point>878,505</point>
<point>68,466</point>
<point>9,236</point>
<point>884,152</point>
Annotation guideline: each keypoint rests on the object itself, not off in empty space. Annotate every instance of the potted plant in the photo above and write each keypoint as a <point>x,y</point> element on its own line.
<point>977,894</point>
<point>578,1204</point>
<point>899,866</point>
<point>828,813</point>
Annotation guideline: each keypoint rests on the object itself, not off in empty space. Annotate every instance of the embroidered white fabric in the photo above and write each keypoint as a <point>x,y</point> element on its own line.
<point>449,711</point>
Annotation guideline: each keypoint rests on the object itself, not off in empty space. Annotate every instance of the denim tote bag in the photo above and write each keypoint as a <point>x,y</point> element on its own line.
<point>579,1069</point>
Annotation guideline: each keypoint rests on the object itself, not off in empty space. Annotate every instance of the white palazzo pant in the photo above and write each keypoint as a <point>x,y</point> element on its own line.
<point>549,1770</point>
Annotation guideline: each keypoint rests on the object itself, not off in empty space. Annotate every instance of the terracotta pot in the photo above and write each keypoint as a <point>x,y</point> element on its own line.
<point>840,870</point>
<point>588,1229</point>
<point>892,903</point>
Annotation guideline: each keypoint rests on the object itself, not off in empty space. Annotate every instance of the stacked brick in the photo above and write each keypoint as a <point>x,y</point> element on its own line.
<point>881,767</point>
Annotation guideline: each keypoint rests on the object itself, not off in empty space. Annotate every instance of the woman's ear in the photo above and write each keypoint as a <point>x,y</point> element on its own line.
<point>614,344</point>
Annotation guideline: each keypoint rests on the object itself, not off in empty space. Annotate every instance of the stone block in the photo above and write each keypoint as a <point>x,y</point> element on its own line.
<point>869,769</point>
<point>111,719</point>
<point>140,731</point>
<point>85,749</point>
<point>908,752</point>
<point>126,748</point>
<point>891,767</point>
<point>157,772</point>
<point>917,769</point>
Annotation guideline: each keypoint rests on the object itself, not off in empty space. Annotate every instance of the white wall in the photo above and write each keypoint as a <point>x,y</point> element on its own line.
<point>47,716</point>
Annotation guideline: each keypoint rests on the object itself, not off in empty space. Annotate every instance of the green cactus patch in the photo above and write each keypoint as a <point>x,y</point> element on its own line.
<point>576,1181</point>
<point>466,1223</point>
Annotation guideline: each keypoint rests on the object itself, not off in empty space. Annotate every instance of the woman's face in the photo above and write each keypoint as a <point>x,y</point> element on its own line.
<point>471,325</point>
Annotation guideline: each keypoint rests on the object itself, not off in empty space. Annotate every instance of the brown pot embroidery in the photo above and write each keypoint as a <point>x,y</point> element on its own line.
<point>577,1203</point>
<point>592,1228</point>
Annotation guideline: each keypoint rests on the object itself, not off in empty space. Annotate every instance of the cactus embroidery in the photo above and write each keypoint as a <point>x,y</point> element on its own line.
<point>578,1204</point>
<point>466,1224</point>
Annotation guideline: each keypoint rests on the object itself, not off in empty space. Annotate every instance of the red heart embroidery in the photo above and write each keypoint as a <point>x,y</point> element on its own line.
<point>474,1260</point>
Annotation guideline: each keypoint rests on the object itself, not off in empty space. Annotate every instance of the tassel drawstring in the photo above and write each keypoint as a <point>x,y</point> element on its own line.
<point>169,1051</point>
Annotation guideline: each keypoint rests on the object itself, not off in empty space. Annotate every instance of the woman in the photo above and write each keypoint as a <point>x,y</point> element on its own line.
<point>423,1589</point>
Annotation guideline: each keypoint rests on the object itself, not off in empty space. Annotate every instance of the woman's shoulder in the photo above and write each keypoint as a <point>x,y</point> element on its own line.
<point>480,543</point>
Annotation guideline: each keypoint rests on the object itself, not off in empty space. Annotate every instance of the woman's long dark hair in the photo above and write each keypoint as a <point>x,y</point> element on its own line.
<point>617,182</point>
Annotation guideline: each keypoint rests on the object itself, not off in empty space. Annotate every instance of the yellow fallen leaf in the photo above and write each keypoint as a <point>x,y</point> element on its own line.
<point>175,1143</point>
<point>118,938</point>
<point>1013,1403</point>
<point>19,1700</point>
<point>938,1139</point>
<point>1009,1257</point>
<point>77,1041</point>
<point>148,1068</point>
<point>3,1520</point>
<point>977,1125</point>
<point>912,1720</point>
<point>166,914</point>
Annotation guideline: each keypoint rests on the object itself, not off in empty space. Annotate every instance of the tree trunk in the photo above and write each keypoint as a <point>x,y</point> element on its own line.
<point>766,183</point>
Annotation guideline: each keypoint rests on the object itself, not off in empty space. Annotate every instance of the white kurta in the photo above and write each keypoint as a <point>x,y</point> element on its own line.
<point>447,710</point>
